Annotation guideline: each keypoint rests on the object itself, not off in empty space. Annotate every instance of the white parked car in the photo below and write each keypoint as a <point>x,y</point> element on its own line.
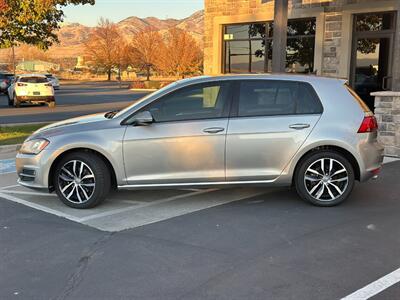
<point>31,88</point>
<point>54,81</point>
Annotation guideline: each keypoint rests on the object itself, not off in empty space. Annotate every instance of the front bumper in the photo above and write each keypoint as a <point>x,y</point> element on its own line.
<point>33,170</point>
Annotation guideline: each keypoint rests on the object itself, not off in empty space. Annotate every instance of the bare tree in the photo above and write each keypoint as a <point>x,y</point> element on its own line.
<point>181,55</point>
<point>145,51</point>
<point>105,46</point>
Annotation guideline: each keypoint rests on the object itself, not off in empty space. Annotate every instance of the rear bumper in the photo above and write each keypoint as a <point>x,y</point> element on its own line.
<point>35,99</point>
<point>372,155</point>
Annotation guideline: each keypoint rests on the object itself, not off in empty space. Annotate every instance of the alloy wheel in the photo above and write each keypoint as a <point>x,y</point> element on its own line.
<point>326,179</point>
<point>77,181</point>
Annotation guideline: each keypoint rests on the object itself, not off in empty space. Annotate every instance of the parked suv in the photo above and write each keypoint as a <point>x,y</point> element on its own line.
<point>271,130</point>
<point>5,81</point>
<point>32,89</point>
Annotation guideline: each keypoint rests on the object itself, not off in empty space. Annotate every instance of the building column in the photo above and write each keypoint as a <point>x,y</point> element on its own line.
<point>396,57</point>
<point>387,112</point>
<point>280,36</point>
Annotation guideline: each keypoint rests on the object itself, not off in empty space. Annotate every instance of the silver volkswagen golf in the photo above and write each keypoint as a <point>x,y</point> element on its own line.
<point>312,133</point>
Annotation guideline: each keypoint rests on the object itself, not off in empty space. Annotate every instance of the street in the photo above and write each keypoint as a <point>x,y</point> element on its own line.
<point>200,244</point>
<point>73,100</point>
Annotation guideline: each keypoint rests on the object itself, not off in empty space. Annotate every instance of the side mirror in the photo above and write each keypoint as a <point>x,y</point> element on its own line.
<point>143,118</point>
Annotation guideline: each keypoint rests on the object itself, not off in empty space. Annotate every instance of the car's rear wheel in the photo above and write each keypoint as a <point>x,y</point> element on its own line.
<point>16,102</point>
<point>324,178</point>
<point>82,180</point>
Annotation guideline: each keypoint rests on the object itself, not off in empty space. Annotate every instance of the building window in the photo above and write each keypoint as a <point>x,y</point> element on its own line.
<point>248,47</point>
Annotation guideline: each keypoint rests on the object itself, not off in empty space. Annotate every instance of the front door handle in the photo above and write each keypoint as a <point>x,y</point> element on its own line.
<point>299,126</point>
<point>214,130</point>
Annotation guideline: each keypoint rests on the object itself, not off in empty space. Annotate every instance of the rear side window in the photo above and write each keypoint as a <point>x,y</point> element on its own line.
<point>275,97</point>
<point>34,79</point>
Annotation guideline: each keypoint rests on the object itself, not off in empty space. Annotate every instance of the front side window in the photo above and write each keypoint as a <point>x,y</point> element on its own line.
<point>204,101</point>
<point>274,98</point>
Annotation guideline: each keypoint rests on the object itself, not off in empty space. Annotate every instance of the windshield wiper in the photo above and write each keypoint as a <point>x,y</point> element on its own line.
<point>111,114</point>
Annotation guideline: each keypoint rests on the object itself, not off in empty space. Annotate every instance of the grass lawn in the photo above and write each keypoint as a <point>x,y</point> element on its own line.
<point>17,134</point>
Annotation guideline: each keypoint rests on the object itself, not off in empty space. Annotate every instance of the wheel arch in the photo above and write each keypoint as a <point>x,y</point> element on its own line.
<point>346,153</point>
<point>87,150</point>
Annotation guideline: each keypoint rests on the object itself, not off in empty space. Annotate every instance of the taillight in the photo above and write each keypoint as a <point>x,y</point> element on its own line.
<point>21,84</point>
<point>369,124</point>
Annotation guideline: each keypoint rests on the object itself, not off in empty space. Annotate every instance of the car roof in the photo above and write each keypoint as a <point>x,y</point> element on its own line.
<point>31,75</point>
<point>313,79</point>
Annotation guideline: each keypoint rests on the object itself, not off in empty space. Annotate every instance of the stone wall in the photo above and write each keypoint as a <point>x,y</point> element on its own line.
<point>387,112</point>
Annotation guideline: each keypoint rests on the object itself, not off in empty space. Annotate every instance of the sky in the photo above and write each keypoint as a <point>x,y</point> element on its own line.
<point>117,10</point>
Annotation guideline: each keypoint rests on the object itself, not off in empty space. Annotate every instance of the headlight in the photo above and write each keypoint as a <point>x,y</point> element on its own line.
<point>34,146</point>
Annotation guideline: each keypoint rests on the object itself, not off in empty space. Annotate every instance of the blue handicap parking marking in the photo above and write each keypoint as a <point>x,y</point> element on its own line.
<point>7,166</point>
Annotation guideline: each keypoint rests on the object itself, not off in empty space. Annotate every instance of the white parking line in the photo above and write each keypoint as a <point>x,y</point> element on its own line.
<point>375,287</point>
<point>9,187</point>
<point>28,193</point>
<point>38,207</point>
<point>120,210</point>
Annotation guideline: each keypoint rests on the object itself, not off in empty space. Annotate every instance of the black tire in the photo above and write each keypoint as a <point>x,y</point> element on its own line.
<point>51,104</point>
<point>304,188</point>
<point>16,102</point>
<point>102,179</point>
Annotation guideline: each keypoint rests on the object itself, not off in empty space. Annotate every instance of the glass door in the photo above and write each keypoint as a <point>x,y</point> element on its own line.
<point>372,54</point>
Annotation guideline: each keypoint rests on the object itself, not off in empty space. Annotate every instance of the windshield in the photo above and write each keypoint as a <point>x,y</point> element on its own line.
<point>140,100</point>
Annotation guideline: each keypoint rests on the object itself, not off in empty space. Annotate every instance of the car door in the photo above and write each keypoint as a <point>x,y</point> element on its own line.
<point>271,119</point>
<point>186,141</point>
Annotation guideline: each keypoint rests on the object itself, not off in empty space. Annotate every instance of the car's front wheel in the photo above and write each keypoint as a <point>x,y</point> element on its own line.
<point>324,178</point>
<point>16,102</point>
<point>82,180</point>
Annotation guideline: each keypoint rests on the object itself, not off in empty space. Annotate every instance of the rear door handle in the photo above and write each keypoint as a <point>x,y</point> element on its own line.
<point>214,130</point>
<point>299,126</point>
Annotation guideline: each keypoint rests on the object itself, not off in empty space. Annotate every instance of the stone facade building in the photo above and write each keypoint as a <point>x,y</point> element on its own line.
<point>354,39</point>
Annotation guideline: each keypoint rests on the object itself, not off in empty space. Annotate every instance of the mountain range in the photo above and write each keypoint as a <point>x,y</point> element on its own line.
<point>73,35</point>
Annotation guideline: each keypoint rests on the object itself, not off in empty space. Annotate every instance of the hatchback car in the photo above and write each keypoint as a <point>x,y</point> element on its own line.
<point>312,133</point>
<point>32,89</point>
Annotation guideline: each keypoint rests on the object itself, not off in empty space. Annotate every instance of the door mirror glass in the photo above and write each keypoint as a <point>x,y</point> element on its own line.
<point>143,118</point>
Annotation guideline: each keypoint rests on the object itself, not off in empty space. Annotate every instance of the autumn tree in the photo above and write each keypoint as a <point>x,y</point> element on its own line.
<point>32,22</point>
<point>146,50</point>
<point>181,55</point>
<point>106,47</point>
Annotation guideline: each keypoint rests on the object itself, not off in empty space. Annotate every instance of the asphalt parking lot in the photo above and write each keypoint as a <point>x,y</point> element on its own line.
<point>200,244</point>
<point>73,99</point>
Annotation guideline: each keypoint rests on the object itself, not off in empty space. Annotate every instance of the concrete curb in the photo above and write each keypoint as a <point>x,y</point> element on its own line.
<point>22,124</point>
<point>390,159</point>
<point>143,90</point>
<point>9,148</point>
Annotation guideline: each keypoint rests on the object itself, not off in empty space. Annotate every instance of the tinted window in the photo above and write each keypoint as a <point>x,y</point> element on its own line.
<point>34,79</point>
<point>272,97</point>
<point>191,103</point>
